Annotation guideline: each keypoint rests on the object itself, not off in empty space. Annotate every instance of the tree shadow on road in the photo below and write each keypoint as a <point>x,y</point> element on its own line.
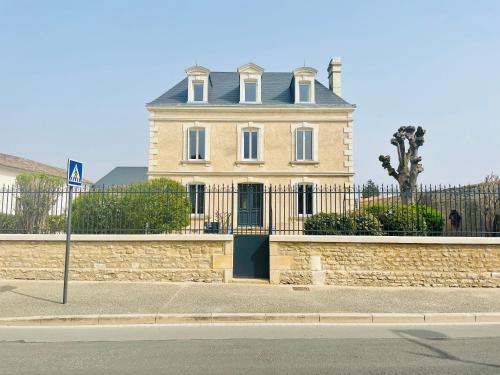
<point>415,336</point>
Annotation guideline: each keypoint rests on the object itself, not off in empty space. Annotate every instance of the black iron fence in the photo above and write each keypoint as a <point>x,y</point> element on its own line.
<point>256,209</point>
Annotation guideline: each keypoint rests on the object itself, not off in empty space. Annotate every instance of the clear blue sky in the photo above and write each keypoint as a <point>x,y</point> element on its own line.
<point>75,75</point>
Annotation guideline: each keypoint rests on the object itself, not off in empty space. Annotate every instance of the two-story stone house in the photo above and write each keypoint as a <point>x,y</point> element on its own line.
<point>251,129</point>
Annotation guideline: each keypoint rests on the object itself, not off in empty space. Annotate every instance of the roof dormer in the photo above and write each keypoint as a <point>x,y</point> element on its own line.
<point>250,83</point>
<point>197,84</point>
<point>304,78</point>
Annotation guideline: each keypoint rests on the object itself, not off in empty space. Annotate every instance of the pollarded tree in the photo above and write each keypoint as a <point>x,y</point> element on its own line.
<point>409,161</point>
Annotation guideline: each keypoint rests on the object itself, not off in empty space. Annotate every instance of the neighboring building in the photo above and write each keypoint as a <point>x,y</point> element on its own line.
<point>11,166</point>
<point>123,176</point>
<point>251,129</point>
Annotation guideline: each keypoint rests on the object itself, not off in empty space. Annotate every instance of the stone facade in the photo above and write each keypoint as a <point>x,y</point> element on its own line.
<point>365,261</point>
<point>122,258</point>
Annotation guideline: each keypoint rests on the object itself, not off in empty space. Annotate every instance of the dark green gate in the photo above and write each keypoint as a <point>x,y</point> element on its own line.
<point>251,256</point>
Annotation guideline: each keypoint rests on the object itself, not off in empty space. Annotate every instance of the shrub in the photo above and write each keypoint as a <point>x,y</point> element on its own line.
<point>10,223</point>
<point>38,193</point>
<point>155,206</point>
<point>55,224</point>
<point>433,219</point>
<point>337,224</point>
<point>400,219</point>
<point>97,212</point>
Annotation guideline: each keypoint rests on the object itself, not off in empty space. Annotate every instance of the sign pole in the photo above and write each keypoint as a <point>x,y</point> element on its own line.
<point>68,246</point>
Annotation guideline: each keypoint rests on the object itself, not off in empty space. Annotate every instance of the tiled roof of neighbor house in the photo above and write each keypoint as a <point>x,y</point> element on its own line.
<point>123,176</point>
<point>28,165</point>
<point>224,89</point>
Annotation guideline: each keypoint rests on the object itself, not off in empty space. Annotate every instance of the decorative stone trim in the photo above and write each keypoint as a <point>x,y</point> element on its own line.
<point>117,237</point>
<point>388,239</point>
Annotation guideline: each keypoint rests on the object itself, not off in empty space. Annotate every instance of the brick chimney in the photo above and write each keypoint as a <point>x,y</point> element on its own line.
<point>335,75</point>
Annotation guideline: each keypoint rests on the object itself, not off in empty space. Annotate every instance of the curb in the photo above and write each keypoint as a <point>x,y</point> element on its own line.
<point>268,318</point>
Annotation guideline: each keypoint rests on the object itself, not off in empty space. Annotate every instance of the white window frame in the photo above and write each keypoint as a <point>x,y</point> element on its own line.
<point>185,152</point>
<point>256,90</point>
<point>308,84</point>
<point>315,141</point>
<point>250,126</point>
<point>194,83</point>
<point>304,197</point>
<point>250,144</point>
<point>197,184</point>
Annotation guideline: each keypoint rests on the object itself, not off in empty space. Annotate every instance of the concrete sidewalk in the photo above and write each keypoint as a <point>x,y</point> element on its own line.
<point>41,298</point>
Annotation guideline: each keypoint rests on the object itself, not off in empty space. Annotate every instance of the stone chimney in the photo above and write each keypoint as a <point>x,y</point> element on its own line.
<point>335,75</point>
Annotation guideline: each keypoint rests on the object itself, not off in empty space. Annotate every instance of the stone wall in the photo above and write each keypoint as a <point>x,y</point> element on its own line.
<point>205,258</point>
<point>385,261</point>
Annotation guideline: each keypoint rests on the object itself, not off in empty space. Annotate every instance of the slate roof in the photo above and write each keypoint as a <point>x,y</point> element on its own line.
<point>123,176</point>
<point>224,89</point>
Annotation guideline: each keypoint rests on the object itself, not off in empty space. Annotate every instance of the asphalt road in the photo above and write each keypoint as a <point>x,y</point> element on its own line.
<point>252,349</point>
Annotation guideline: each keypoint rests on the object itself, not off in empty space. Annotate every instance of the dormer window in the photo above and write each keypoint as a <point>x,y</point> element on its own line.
<point>304,84</point>
<point>250,83</point>
<point>197,84</point>
<point>198,91</point>
<point>250,91</point>
<point>305,92</point>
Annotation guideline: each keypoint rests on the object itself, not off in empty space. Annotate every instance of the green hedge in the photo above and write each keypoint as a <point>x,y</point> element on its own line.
<point>433,218</point>
<point>405,220</point>
<point>338,224</point>
<point>10,224</point>
<point>155,206</point>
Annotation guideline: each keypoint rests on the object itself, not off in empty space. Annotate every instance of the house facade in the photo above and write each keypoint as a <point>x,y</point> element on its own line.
<point>250,129</point>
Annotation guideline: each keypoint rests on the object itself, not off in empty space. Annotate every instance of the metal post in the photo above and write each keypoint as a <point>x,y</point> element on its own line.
<point>270,210</point>
<point>68,245</point>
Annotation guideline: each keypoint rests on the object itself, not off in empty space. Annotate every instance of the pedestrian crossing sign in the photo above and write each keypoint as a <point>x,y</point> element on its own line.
<point>74,173</point>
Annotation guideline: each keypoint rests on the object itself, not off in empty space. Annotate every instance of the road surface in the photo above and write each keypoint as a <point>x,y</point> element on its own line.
<point>252,349</point>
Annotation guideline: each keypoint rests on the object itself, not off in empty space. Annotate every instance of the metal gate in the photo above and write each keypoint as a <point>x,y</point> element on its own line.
<point>251,256</point>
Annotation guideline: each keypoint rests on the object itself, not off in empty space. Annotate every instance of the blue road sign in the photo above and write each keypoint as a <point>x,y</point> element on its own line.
<point>75,173</point>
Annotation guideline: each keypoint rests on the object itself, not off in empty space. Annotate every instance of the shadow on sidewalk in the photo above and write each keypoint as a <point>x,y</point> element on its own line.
<point>10,288</point>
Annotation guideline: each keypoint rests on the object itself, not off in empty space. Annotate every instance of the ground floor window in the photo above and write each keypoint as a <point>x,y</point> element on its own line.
<point>305,199</point>
<point>197,197</point>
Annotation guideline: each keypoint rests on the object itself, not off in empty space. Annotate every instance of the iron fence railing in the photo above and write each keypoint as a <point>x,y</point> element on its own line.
<point>472,210</point>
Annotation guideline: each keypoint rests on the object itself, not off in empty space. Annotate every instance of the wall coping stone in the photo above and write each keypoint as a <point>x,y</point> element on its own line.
<point>117,237</point>
<point>388,239</point>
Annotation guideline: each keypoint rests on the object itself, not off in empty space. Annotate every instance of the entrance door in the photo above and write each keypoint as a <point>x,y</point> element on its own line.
<point>251,256</point>
<point>250,203</point>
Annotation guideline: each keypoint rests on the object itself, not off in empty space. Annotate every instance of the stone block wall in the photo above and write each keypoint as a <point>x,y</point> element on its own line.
<point>385,261</point>
<point>122,258</point>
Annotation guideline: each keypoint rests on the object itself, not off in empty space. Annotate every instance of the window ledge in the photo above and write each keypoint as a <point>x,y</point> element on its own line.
<point>249,162</point>
<point>200,162</point>
<point>304,162</point>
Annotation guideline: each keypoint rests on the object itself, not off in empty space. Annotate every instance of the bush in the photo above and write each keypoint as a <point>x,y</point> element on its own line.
<point>10,224</point>
<point>337,224</point>
<point>433,218</point>
<point>400,220</point>
<point>38,193</point>
<point>155,206</point>
<point>55,224</point>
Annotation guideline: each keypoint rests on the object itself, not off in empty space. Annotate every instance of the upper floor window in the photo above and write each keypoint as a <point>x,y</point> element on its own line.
<point>196,144</point>
<point>305,199</point>
<point>304,144</point>
<point>197,198</point>
<point>198,88</point>
<point>305,92</point>
<point>250,91</point>
<point>250,144</point>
